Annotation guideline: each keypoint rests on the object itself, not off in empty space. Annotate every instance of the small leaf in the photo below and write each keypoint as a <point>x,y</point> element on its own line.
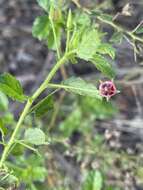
<point>74,43</point>
<point>43,106</point>
<point>71,123</point>
<point>82,19</point>
<point>139,29</point>
<point>89,43</point>
<point>34,136</point>
<point>3,102</point>
<point>79,86</point>
<point>39,174</point>
<point>11,87</point>
<point>93,181</point>
<point>44,4</point>
<point>42,30</point>
<point>107,17</point>
<point>105,48</point>
<point>41,27</point>
<point>103,65</point>
<point>50,40</point>
<point>117,37</point>
<point>7,180</point>
<point>3,129</point>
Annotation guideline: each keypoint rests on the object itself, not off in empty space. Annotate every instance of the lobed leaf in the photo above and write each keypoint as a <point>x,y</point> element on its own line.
<point>10,86</point>
<point>105,48</point>
<point>71,123</point>
<point>90,42</point>
<point>43,106</point>
<point>41,27</point>
<point>44,4</point>
<point>103,65</point>
<point>34,136</point>
<point>117,37</point>
<point>82,19</point>
<point>79,86</point>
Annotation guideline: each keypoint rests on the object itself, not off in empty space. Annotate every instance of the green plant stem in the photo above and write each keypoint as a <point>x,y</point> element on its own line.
<point>68,40</point>
<point>54,32</point>
<point>29,104</point>
<point>69,23</point>
<point>118,28</point>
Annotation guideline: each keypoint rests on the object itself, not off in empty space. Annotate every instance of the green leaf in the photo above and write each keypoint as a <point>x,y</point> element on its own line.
<point>7,180</point>
<point>39,173</point>
<point>50,40</point>
<point>107,17</point>
<point>71,123</point>
<point>79,86</point>
<point>82,19</point>
<point>139,29</point>
<point>11,87</point>
<point>105,48</point>
<point>93,181</point>
<point>34,136</point>
<point>3,129</point>
<point>41,27</point>
<point>74,43</point>
<point>103,65</point>
<point>45,4</point>
<point>117,37</point>
<point>101,109</point>
<point>43,106</point>
<point>3,102</point>
<point>42,30</point>
<point>89,44</point>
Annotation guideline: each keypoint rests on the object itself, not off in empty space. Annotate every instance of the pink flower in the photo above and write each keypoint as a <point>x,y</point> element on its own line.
<point>107,89</point>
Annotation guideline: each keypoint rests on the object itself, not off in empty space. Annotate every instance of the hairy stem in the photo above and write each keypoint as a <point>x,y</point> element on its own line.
<point>29,104</point>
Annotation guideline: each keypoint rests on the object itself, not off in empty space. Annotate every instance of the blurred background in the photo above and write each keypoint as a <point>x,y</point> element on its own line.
<point>86,135</point>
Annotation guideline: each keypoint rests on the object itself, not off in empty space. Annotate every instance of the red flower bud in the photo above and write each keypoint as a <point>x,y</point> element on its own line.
<point>107,89</point>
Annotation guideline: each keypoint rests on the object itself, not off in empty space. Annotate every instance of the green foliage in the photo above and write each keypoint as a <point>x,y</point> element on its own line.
<point>139,29</point>
<point>46,32</point>
<point>29,169</point>
<point>3,102</point>
<point>79,86</point>
<point>11,87</point>
<point>7,180</point>
<point>89,44</point>
<point>100,109</point>
<point>84,113</point>
<point>3,129</point>
<point>82,19</point>
<point>106,17</point>
<point>35,136</point>
<point>106,49</point>
<point>44,4</point>
<point>103,65</point>
<point>117,37</point>
<point>93,181</point>
<point>84,40</point>
<point>41,108</point>
<point>44,23</point>
<point>71,123</point>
